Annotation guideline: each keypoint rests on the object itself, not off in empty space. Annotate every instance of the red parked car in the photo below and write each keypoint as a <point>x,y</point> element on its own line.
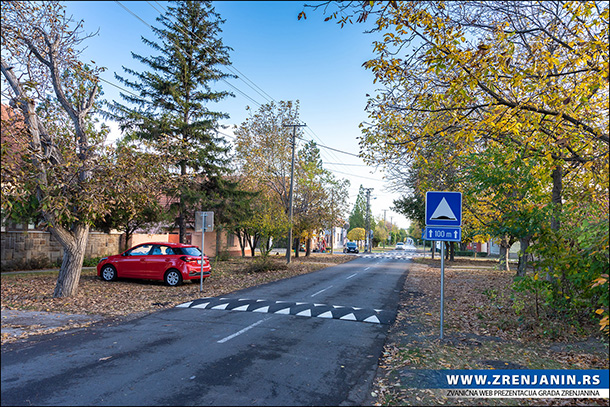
<point>169,262</point>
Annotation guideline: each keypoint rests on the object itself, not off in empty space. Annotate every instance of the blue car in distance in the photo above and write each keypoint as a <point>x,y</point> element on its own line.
<point>350,247</point>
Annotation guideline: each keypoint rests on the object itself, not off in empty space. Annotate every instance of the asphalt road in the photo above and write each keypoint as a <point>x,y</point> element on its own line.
<point>309,340</point>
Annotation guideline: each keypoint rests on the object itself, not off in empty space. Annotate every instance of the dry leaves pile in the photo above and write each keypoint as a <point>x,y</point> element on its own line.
<point>481,331</point>
<point>34,291</point>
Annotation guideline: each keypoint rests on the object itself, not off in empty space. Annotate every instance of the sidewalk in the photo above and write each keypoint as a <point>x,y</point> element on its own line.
<point>18,324</point>
<point>41,271</point>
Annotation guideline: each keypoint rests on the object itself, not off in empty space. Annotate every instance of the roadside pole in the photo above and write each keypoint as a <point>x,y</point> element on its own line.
<point>442,286</point>
<point>204,221</point>
<point>294,136</point>
<point>203,216</point>
<point>443,224</point>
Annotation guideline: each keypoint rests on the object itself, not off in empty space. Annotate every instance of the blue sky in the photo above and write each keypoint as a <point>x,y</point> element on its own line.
<point>316,62</point>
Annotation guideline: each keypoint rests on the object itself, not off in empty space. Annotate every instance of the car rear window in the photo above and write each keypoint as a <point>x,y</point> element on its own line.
<point>189,251</point>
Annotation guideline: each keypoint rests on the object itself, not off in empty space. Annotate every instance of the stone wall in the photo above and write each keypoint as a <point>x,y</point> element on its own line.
<point>20,248</point>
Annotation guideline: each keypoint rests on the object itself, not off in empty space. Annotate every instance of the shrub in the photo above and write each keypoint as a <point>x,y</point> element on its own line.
<point>37,263</point>
<point>91,261</point>
<point>264,264</point>
<point>481,254</point>
<point>466,253</point>
<point>223,255</point>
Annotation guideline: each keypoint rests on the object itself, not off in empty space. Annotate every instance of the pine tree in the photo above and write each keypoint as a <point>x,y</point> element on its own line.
<point>358,215</point>
<point>171,109</point>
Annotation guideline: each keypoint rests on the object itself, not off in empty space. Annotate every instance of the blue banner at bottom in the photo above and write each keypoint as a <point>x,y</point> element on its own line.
<point>511,383</point>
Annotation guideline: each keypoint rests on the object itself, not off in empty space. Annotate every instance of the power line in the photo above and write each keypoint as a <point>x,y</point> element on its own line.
<point>354,175</point>
<point>236,71</point>
<point>197,62</point>
<point>252,85</point>
<point>350,165</point>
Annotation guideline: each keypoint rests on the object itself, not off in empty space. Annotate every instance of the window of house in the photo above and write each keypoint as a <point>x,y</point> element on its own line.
<point>230,239</point>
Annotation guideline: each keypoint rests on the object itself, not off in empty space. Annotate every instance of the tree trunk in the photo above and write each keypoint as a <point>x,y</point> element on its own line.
<point>128,235</point>
<point>522,267</point>
<point>557,176</point>
<point>297,246</point>
<point>252,243</point>
<point>182,209</point>
<point>504,253</point>
<point>74,245</point>
<point>241,238</point>
<point>308,247</point>
<point>556,196</point>
<point>432,248</point>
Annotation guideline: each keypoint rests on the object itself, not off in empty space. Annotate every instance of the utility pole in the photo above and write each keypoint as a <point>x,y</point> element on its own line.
<point>332,225</point>
<point>368,218</point>
<point>384,226</point>
<point>294,136</point>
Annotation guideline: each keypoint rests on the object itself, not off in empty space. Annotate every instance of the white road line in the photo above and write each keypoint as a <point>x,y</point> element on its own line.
<point>321,291</point>
<point>366,268</point>
<point>228,338</point>
<point>348,277</point>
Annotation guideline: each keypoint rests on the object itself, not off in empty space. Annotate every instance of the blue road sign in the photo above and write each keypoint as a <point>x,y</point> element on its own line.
<point>443,208</point>
<point>443,234</point>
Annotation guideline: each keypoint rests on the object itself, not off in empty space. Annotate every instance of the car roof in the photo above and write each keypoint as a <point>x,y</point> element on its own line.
<point>168,244</point>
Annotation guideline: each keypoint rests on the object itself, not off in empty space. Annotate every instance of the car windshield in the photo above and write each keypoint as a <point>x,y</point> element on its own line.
<point>351,244</point>
<point>190,251</point>
<point>399,244</point>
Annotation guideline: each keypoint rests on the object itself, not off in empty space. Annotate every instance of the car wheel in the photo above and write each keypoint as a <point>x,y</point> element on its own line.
<point>172,278</point>
<point>108,273</point>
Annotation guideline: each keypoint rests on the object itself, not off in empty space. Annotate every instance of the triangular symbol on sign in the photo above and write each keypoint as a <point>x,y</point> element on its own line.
<point>443,212</point>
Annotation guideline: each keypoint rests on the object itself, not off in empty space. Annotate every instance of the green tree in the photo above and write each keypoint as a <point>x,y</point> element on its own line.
<point>144,208</point>
<point>67,176</point>
<point>264,153</point>
<point>263,147</point>
<point>357,218</point>
<point>171,109</point>
<point>356,235</point>
<point>318,194</point>
<point>529,82</point>
<point>380,233</point>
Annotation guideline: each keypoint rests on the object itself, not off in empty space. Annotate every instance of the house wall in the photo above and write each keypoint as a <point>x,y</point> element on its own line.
<point>228,242</point>
<point>138,238</point>
<point>20,247</point>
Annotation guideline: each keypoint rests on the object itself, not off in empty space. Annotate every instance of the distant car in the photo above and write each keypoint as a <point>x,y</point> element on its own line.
<point>169,262</point>
<point>350,247</point>
<point>400,246</point>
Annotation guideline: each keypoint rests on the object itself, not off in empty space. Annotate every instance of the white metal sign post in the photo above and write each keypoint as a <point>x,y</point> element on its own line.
<point>204,221</point>
<point>443,223</point>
